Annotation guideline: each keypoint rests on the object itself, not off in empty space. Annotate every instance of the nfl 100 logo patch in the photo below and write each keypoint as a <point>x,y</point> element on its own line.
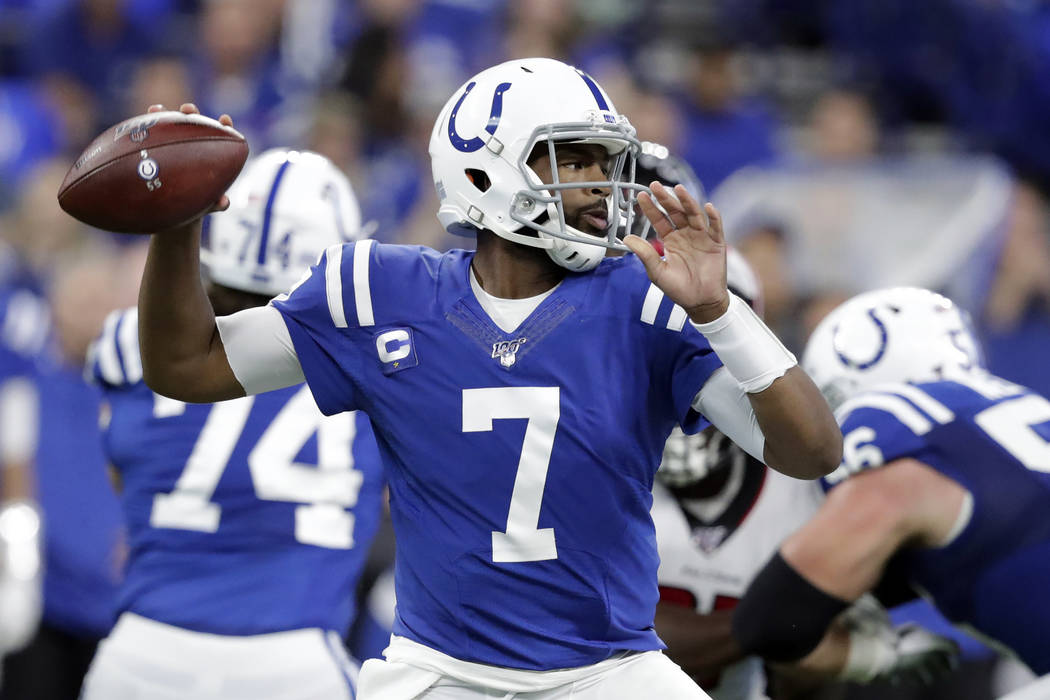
<point>506,351</point>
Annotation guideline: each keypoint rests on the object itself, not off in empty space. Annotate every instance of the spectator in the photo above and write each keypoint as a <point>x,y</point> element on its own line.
<point>724,130</point>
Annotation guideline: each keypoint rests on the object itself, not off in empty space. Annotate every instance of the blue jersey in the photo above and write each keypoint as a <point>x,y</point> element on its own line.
<point>991,437</point>
<point>520,464</point>
<point>244,517</point>
<point>83,537</point>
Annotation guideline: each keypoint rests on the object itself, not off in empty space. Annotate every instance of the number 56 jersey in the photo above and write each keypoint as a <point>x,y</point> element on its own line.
<point>520,464</point>
<point>993,438</point>
<point>244,517</point>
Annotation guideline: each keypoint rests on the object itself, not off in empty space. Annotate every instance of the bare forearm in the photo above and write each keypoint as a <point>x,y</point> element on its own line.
<point>802,437</point>
<point>182,354</point>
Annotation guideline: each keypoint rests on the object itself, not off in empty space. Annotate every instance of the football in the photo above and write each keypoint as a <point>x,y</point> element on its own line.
<point>153,172</point>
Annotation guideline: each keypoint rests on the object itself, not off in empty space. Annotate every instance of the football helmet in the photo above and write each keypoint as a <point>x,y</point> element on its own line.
<point>286,207</point>
<point>742,281</point>
<point>482,140</point>
<point>900,334</point>
<point>656,162</point>
<point>688,459</point>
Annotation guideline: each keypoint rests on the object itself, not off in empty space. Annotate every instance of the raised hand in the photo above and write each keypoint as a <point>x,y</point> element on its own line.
<point>693,270</point>
<point>226,120</point>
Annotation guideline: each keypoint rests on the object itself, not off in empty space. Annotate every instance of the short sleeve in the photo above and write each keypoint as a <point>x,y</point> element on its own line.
<point>113,359</point>
<point>682,356</point>
<point>321,312</point>
<point>692,366</point>
<point>877,429</point>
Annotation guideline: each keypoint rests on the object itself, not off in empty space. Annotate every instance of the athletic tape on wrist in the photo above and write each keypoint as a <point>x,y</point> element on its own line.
<point>748,349</point>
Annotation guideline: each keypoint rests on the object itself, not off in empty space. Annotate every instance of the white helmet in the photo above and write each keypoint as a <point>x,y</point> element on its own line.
<point>490,126</point>
<point>286,207</point>
<point>742,281</point>
<point>901,334</point>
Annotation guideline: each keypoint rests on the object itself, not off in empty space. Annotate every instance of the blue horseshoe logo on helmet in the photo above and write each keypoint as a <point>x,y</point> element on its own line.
<point>474,144</point>
<point>879,352</point>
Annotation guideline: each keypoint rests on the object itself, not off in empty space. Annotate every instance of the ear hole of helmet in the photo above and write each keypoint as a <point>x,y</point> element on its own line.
<point>478,178</point>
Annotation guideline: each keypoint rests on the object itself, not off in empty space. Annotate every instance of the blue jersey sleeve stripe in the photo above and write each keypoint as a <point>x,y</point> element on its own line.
<point>929,405</point>
<point>892,404</point>
<point>651,305</point>
<point>333,284</point>
<point>362,288</point>
<point>108,360</point>
<point>676,322</point>
<point>128,345</point>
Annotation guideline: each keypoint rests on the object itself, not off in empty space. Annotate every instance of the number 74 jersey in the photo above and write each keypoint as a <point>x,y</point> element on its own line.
<point>520,463</point>
<point>244,517</point>
<point>993,438</point>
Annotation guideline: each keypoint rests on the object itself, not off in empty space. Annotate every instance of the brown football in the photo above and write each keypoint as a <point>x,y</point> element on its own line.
<point>153,172</point>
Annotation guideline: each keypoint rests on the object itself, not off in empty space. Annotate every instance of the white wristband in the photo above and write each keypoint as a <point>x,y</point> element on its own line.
<point>748,349</point>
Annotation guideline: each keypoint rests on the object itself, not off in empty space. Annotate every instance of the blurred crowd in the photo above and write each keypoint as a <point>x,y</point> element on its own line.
<point>851,144</point>
<point>881,141</point>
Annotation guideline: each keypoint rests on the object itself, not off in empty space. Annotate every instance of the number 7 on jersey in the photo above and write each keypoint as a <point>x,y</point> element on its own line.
<point>541,406</point>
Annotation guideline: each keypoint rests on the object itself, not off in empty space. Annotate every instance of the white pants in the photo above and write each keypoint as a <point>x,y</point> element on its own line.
<point>143,659</point>
<point>414,672</point>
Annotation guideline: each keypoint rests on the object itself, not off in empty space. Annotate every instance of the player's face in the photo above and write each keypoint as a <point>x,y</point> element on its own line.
<point>586,208</point>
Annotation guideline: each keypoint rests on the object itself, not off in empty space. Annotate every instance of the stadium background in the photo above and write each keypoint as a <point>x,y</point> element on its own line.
<point>850,143</point>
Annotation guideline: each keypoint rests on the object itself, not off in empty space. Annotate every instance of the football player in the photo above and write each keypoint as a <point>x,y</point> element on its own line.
<point>248,520</point>
<point>946,468</point>
<point>719,515</point>
<point>521,394</point>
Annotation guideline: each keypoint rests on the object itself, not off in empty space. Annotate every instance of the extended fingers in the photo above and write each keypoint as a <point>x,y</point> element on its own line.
<point>190,108</point>
<point>671,205</point>
<point>716,222</point>
<point>699,218</point>
<point>661,224</point>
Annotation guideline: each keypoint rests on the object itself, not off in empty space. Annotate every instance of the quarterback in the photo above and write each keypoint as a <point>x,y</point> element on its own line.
<point>521,393</point>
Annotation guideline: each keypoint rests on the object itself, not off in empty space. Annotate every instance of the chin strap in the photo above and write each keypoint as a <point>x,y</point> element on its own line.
<point>577,256</point>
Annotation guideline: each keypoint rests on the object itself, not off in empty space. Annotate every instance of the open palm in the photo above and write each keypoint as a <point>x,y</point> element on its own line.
<point>693,270</point>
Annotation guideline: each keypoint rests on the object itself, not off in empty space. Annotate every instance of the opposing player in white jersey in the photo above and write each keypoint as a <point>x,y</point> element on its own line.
<point>248,520</point>
<point>521,394</point>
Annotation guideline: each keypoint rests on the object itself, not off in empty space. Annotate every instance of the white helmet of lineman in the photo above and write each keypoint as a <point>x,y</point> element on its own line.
<point>901,334</point>
<point>489,128</point>
<point>286,207</point>
<point>689,458</point>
